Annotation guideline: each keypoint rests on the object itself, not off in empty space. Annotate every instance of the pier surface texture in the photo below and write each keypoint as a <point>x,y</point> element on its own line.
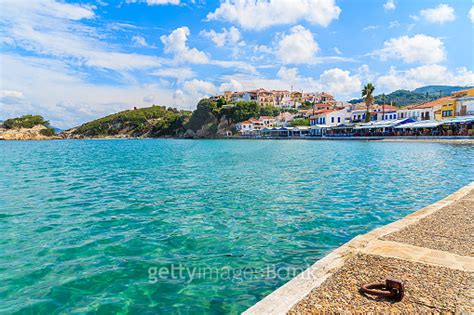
<point>431,251</point>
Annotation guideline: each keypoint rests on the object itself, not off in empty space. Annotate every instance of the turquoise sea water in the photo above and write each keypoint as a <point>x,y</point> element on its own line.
<point>86,225</point>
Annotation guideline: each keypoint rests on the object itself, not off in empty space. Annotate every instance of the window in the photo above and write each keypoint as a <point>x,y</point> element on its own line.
<point>447,113</point>
<point>332,119</point>
<point>338,119</point>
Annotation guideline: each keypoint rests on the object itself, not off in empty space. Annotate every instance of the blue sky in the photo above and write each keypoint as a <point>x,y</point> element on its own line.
<point>73,61</point>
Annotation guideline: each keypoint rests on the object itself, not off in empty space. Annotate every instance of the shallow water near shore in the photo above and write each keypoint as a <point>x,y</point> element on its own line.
<point>86,226</point>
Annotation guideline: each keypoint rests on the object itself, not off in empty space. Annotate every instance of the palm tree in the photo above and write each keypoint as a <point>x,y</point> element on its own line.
<point>368,98</point>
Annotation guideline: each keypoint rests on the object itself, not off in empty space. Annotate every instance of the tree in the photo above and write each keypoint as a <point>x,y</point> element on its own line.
<point>202,115</point>
<point>269,111</point>
<point>299,122</point>
<point>245,110</point>
<point>367,92</point>
<point>26,121</point>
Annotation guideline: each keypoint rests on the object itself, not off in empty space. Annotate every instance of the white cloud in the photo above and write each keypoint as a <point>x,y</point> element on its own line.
<point>232,85</point>
<point>340,82</point>
<point>180,74</point>
<point>11,97</point>
<point>230,36</point>
<point>52,28</point>
<point>389,5</point>
<point>471,14</point>
<point>155,2</point>
<point>297,47</point>
<point>441,14</point>
<point>419,48</point>
<point>337,51</point>
<point>192,91</point>
<point>424,75</point>
<point>261,14</point>
<point>288,74</point>
<point>175,43</point>
<point>139,41</point>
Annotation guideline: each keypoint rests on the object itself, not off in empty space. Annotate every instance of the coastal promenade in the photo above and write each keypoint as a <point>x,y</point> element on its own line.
<point>431,251</point>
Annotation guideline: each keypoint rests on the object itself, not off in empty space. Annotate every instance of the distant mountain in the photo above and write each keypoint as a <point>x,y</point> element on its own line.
<point>419,95</point>
<point>57,130</point>
<point>440,89</point>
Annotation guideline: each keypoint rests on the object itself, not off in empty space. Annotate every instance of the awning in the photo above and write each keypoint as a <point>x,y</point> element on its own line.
<point>320,126</point>
<point>421,124</point>
<point>384,124</point>
<point>459,120</point>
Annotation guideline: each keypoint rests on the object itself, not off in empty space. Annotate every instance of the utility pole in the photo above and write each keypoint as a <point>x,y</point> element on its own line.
<point>383,106</point>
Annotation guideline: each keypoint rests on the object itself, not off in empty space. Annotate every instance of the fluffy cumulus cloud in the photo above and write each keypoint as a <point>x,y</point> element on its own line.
<point>232,85</point>
<point>424,75</point>
<point>261,14</point>
<point>297,47</point>
<point>176,44</point>
<point>192,91</point>
<point>227,36</point>
<point>441,14</point>
<point>389,5</point>
<point>419,48</point>
<point>340,82</point>
<point>471,14</point>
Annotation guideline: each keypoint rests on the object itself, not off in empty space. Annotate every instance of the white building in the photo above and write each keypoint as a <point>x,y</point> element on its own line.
<point>283,119</point>
<point>418,112</point>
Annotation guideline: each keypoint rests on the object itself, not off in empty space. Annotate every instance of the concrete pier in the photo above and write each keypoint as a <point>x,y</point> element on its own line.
<point>431,251</point>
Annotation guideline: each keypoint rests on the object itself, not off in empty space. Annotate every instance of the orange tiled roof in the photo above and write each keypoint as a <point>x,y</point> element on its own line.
<point>387,107</point>
<point>430,104</point>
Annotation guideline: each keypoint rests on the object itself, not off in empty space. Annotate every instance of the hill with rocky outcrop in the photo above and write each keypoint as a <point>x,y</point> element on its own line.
<point>149,122</point>
<point>27,127</point>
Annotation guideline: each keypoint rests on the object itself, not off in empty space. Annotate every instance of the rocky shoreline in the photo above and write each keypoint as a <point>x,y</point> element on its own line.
<point>34,133</point>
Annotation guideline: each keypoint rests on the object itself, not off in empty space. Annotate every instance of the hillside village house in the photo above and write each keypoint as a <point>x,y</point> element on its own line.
<point>385,112</point>
<point>277,98</point>
<point>283,119</point>
<point>338,118</point>
<point>447,108</point>
<point>464,102</point>
<point>244,127</point>
<point>268,121</point>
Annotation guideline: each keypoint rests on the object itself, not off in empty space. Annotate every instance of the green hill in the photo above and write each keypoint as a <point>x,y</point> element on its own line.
<point>29,121</point>
<point>442,90</point>
<point>155,121</point>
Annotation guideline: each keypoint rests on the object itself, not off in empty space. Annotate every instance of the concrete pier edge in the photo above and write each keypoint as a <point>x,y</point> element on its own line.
<point>284,298</point>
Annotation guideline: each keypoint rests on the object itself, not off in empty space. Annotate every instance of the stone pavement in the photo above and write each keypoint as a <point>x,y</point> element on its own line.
<point>431,251</point>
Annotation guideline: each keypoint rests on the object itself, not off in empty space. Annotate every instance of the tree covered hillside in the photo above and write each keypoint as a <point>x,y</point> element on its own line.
<point>29,121</point>
<point>155,121</point>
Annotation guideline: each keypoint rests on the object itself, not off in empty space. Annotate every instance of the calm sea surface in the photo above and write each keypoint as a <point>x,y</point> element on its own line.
<point>86,226</point>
